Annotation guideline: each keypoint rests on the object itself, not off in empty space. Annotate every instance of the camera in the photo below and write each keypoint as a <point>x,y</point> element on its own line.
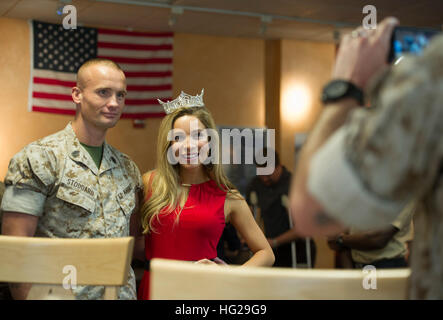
<point>409,40</point>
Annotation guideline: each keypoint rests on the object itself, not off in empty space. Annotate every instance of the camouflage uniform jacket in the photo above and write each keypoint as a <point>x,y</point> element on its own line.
<point>56,179</point>
<point>388,156</point>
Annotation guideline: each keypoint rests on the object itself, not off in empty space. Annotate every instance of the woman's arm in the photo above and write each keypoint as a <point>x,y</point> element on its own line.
<point>239,214</point>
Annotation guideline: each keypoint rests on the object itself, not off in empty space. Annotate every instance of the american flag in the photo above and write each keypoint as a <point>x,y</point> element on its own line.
<point>146,59</point>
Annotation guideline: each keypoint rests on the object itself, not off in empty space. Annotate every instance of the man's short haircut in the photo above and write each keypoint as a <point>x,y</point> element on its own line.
<point>101,61</point>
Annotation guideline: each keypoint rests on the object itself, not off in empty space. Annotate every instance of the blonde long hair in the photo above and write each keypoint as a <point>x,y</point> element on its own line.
<point>164,192</point>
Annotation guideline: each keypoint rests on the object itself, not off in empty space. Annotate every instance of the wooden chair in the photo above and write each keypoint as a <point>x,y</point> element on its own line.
<point>188,281</point>
<point>47,262</point>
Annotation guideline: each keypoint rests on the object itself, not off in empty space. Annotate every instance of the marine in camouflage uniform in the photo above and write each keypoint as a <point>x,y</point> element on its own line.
<point>382,158</point>
<point>56,180</point>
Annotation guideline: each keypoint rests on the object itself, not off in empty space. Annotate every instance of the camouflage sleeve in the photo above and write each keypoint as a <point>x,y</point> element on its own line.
<point>28,181</point>
<point>383,158</point>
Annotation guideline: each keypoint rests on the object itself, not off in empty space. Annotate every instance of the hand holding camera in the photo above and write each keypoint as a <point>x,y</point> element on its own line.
<point>363,53</point>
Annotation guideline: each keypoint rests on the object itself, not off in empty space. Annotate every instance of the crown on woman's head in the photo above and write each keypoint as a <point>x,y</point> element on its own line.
<point>184,100</point>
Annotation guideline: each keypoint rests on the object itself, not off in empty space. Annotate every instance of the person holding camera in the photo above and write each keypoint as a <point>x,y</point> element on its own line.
<point>361,166</point>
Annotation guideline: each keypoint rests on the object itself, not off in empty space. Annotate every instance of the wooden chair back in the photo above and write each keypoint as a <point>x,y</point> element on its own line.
<point>49,262</point>
<point>188,281</point>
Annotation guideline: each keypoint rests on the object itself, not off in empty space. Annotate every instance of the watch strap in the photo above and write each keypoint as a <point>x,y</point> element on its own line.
<point>352,91</point>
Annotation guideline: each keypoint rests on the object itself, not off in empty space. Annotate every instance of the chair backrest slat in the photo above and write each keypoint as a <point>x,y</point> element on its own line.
<point>49,261</point>
<point>184,280</point>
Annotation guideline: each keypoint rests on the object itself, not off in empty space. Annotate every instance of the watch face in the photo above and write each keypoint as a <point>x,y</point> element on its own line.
<point>337,89</point>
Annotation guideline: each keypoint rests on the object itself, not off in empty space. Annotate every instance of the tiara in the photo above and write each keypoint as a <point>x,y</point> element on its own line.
<point>184,100</point>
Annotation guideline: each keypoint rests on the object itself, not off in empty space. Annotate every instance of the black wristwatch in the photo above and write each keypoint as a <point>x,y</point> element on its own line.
<point>339,89</point>
<point>339,242</point>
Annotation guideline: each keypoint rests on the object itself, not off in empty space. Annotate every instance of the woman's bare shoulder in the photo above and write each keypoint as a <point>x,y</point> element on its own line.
<point>234,194</point>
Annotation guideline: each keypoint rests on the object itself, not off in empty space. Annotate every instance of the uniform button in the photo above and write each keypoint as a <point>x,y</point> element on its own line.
<point>113,160</point>
<point>75,154</point>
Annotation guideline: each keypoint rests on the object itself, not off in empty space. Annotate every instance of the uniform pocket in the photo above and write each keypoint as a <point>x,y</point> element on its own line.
<point>75,198</point>
<point>126,200</point>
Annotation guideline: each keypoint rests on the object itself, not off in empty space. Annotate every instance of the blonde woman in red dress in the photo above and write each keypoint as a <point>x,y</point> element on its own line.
<point>187,204</point>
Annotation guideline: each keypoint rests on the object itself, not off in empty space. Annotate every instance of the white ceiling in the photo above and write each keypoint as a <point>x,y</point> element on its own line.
<point>313,20</point>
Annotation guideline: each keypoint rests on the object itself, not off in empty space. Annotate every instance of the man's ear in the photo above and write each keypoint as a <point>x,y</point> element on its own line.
<point>76,94</point>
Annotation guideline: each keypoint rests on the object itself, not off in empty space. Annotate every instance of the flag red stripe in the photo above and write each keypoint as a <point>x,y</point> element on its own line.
<point>135,33</point>
<point>70,84</point>
<point>143,115</point>
<point>66,97</point>
<point>54,82</point>
<point>128,74</point>
<point>148,74</point>
<point>54,96</point>
<point>53,110</point>
<point>129,46</point>
<point>137,60</point>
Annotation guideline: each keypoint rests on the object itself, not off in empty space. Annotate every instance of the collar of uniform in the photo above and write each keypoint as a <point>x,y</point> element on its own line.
<point>109,159</point>
<point>76,152</point>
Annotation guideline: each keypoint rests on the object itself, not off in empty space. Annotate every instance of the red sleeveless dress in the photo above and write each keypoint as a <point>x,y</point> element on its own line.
<point>196,234</point>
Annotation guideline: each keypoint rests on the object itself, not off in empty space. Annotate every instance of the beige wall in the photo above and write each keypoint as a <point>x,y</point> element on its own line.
<point>230,69</point>
<point>305,68</point>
